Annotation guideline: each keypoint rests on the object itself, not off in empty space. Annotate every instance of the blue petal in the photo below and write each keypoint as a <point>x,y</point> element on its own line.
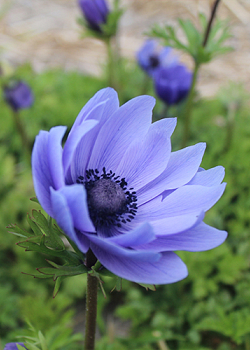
<point>42,178</point>
<point>107,247</point>
<point>210,177</point>
<point>70,212</point>
<point>181,168</point>
<point>199,238</point>
<point>55,156</point>
<point>130,121</point>
<point>147,158</point>
<point>140,235</point>
<point>168,269</point>
<point>73,140</point>
<point>101,96</point>
<point>185,200</point>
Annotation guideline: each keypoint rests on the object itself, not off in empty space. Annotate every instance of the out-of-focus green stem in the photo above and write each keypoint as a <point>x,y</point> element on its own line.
<point>188,107</point>
<point>91,305</point>
<point>22,132</point>
<point>189,102</point>
<point>111,63</point>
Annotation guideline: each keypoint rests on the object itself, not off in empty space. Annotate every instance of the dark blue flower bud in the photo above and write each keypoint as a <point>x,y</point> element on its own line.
<point>18,95</point>
<point>13,346</point>
<point>95,13</point>
<point>172,83</point>
<point>151,57</point>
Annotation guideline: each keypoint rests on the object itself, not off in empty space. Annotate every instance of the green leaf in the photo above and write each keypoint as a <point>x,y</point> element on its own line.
<point>34,226</point>
<point>148,286</point>
<point>42,341</point>
<point>16,230</point>
<point>58,270</point>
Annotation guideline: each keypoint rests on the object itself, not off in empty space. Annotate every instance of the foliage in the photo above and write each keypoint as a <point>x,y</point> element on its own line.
<point>195,37</point>
<point>208,310</point>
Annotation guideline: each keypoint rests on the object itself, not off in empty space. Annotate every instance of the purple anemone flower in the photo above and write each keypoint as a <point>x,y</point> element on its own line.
<point>117,189</point>
<point>13,346</point>
<point>172,84</point>
<point>18,95</point>
<point>150,57</point>
<point>95,13</point>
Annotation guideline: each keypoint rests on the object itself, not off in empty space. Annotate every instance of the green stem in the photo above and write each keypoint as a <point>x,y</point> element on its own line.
<point>111,63</point>
<point>22,132</point>
<point>91,305</point>
<point>189,102</point>
<point>188,107</point>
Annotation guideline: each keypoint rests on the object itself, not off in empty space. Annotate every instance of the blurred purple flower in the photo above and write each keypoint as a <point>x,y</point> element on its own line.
<point>117,189</point>
<point>151,57</point>
<point>13,346</point>
<point>18,95</point>
<point>95,13</point>
<point>172,84</point>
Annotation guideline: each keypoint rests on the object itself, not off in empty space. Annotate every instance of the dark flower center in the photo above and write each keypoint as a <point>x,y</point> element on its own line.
<point>154,61</point>
<point>109,200</point>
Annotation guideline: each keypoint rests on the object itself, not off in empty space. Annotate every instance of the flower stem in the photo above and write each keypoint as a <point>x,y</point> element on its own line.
<point>189,102</point>
<point>188,107</point>
<point>209,26</point>
<point>91,305</point>
<point>111,64</point>
<point>22,132</point>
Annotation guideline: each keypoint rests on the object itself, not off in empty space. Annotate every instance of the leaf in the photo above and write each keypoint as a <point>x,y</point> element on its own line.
<point>58,270</point>
<point>34,226</point>
<point>16,230</point>
<point>148,286</point>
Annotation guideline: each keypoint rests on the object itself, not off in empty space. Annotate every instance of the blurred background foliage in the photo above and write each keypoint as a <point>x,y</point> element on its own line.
<point>208,310</point>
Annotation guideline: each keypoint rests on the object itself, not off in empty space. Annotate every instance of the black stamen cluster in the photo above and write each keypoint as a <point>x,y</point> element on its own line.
<point>119,204</point>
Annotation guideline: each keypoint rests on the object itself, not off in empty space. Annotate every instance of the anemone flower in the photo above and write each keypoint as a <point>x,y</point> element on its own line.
<point>13,346</point>
<point>18,95</point>
<point>117,189</point>
<point>172,84</point>
<point>150,57</point>
<point>95,13</point>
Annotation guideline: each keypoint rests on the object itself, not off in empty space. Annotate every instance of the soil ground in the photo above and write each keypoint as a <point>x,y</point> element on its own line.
<point>45,33</point>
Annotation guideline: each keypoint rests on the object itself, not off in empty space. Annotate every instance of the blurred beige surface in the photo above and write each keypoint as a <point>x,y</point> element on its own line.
<point>45,33</point>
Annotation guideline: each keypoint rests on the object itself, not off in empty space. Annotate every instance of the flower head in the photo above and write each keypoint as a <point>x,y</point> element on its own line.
<point>18,95</point>
<point>151,57</point>
<point>117,189</point>
<point>13,346</point>
<point>173,83</point>
<point>95,13</point>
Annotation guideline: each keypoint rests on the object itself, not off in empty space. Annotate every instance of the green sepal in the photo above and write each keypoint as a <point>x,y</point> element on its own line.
<point>58,271</point>
<point>34,199</point>
<point>148,286</point>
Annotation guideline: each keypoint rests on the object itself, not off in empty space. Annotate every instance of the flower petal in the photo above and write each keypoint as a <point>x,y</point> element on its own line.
<point>76,198</point>
<point>175,224</point>
<point>168,269</point>
<point>140,235</point>
<point>101,96</point>
<point>147,158</point>
<point>210,177</point>
<point>104,246</point>
<point>71,213</point>
<point>74,139</point>
<point>42,178</point>
<point>55,155</point>
<point>181,168</point>
<point>199,238</point>
<point>184,201</point>
<point>130,121</point>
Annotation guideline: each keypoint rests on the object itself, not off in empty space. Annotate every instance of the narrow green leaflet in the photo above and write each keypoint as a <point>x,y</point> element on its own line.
<point>58,271</point>
<point>194,38</point>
